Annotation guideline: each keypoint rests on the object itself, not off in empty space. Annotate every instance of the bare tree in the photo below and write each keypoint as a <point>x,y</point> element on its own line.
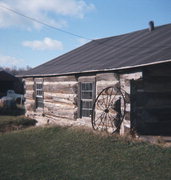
<point>14,70</point>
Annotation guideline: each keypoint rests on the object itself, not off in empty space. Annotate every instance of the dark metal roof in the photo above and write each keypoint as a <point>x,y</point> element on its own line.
<point>119,52</point>
<point>5,76</point>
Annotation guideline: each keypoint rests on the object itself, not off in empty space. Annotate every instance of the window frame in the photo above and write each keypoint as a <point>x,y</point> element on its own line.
<point>39,94</point>
<point>88,100</point>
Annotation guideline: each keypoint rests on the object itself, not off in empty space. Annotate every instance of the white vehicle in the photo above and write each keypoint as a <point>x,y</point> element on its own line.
<point>12,96</point>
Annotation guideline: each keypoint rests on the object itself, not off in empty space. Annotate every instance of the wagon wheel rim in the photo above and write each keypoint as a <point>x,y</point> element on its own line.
<point>105,117</point>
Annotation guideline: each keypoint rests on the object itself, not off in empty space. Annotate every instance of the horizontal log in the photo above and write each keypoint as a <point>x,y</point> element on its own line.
<point>48,95</point>
<point>60,100</point>
<point>29,87</point>
<point>106,83</point>
<point>29,101</point>
<point>60,78</point>
<point>29,95</point>
<point>86,78</point>
<point>59,105</point>
<point>54,116</point>
<point>38,79</point>
<point>29,91</point>
<point>131,76</point>
<point>69,114</point>
<point>29,82</point>
<point>69,83</point>
<point>107,77</point>
<point>61,88</point>
<point>28,79</point>
<point>63,102</point>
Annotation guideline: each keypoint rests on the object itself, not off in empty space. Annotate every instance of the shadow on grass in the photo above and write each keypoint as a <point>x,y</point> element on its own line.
<point>12,123</point>
<point>13,110</point>
<point>12,118</point>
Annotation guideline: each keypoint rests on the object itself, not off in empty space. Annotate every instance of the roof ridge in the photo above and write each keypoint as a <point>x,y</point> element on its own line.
<point>93,56</point>
<point>109,37</point>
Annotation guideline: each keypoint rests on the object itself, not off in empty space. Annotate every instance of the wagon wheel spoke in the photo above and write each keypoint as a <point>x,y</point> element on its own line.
<point>111,119</point>
<point>100,118</point>
<point>110,97</point>
<point>100,105</point>
<point>106,115</point>
<point>104,101</point>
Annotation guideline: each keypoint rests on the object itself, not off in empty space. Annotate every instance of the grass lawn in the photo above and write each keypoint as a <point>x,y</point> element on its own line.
<point>67,153</point>
<point>10,123</point>
<point>4,118</point>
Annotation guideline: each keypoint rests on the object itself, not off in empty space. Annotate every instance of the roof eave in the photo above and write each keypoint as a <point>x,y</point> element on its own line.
<point>94,71</point>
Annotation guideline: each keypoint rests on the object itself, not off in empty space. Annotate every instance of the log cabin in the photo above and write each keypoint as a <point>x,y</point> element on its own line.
<point>121,84</point>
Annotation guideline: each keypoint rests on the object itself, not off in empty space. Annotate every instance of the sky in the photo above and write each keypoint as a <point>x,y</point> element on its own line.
<point>24,42</point>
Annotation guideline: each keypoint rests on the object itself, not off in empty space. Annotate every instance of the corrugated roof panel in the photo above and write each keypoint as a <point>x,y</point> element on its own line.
<point>132,49</point>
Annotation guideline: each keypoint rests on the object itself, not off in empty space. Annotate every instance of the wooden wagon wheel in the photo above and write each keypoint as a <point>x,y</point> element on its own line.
<point>108,110</point>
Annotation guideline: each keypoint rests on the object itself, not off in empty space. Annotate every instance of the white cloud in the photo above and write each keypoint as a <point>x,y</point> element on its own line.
<point>52,12</point>
<point>45,44</point>
<point>9,61</point>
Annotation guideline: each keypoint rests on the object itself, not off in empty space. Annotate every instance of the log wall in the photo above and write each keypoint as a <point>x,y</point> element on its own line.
<point>29,96</point>
<point>61,97</point>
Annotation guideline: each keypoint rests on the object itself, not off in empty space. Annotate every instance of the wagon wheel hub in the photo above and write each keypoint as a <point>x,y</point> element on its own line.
<point>106,110</point>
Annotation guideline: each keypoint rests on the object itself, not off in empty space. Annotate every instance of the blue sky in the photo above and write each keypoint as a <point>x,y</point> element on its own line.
<point>24,42</point>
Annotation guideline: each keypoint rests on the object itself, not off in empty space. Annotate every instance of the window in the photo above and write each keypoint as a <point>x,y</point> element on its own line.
<point>87,96</point>
<point>39,94</point>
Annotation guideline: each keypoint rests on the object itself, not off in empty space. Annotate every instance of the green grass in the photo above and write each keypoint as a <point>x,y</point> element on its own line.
<point>68,153</point>
<point>4,118</point>
<point>9,123</point>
